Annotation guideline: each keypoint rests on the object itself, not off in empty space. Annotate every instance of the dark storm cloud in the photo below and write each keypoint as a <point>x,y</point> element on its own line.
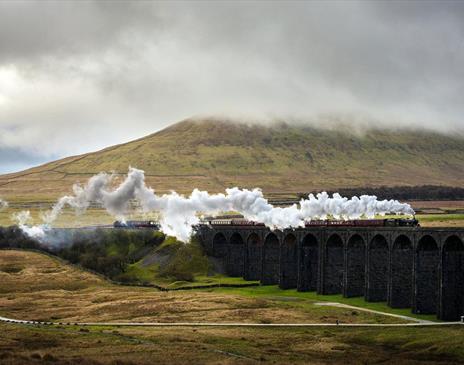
<point>101,72</point>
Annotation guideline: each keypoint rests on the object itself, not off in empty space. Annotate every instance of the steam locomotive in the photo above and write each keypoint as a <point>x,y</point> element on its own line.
<point>389,222</point>
<point>137,224</point>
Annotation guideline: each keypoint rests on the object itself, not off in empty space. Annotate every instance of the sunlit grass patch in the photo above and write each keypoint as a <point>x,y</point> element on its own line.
<point>273,291</point>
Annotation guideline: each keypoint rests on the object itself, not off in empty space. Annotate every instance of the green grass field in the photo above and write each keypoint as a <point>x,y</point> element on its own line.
<point>441,220</point>
<point>275,293</point>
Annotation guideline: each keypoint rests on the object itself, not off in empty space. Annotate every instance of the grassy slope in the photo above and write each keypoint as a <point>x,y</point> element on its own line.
<point>213,155</point>
<point>37,287</point>
<point>273,291</point>
<point>188,259</point>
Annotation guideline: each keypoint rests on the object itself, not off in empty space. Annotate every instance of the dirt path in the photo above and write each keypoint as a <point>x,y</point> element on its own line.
<point>341,305</point>
<point>221,324</point>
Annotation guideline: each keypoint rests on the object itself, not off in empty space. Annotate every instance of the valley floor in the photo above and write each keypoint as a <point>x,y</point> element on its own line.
<point>94,345</point>
<point>38,287</point>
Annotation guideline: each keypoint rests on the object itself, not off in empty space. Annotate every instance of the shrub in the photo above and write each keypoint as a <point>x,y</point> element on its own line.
<point>186,261</point>
<point>49,357</point>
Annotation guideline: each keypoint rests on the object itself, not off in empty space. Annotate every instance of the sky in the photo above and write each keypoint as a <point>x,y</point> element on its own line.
<point>77,76</point>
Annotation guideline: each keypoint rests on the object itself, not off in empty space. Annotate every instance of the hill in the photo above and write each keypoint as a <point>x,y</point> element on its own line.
<point>213,155</point>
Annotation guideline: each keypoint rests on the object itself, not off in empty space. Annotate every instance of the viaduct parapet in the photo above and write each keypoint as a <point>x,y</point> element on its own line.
<point>408,267</point>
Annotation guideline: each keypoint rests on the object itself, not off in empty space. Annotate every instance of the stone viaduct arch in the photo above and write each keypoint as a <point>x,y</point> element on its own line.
<point>452,279</point>
<point>308,264</point>
<point>253,257</point>
<point>219,245</point>
<point>289,262</point>
<point>271,260</point>
<point>401,273</point>
<point>333,265</point>
<point>236,255</point>
<point>426,278</point>
<point>408,267</point>
<point>377,269</point>
<point>355,267</point>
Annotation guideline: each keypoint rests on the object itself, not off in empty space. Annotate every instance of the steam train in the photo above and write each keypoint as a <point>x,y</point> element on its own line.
<point>137,224</point>
<point>389,222</point>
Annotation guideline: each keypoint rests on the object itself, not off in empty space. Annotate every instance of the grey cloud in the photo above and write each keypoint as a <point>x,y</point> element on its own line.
<point>100,72</point>
<point>63,28</point>
<point>12,159</point>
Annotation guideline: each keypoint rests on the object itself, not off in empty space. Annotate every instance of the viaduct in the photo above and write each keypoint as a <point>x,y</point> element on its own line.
<point>408,267</point>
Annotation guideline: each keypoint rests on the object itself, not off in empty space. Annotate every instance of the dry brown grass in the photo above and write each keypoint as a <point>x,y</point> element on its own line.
<point>94,345</point>
<point>450,223</point>
<point>437,204</point>
<point>37,287</point>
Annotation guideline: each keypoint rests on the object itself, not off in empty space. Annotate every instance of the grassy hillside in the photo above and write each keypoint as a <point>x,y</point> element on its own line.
<point>212,155</point>
<point>38,287</point>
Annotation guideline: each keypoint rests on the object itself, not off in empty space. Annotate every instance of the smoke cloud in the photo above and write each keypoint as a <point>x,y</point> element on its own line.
<point>23,219</point>
<point>179,214</point>
<point>3,204</point>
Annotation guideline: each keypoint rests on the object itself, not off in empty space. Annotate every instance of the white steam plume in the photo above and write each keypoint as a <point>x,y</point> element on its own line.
<point>179,213</point>
<point>3,204</point>
<point>23,220</point>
